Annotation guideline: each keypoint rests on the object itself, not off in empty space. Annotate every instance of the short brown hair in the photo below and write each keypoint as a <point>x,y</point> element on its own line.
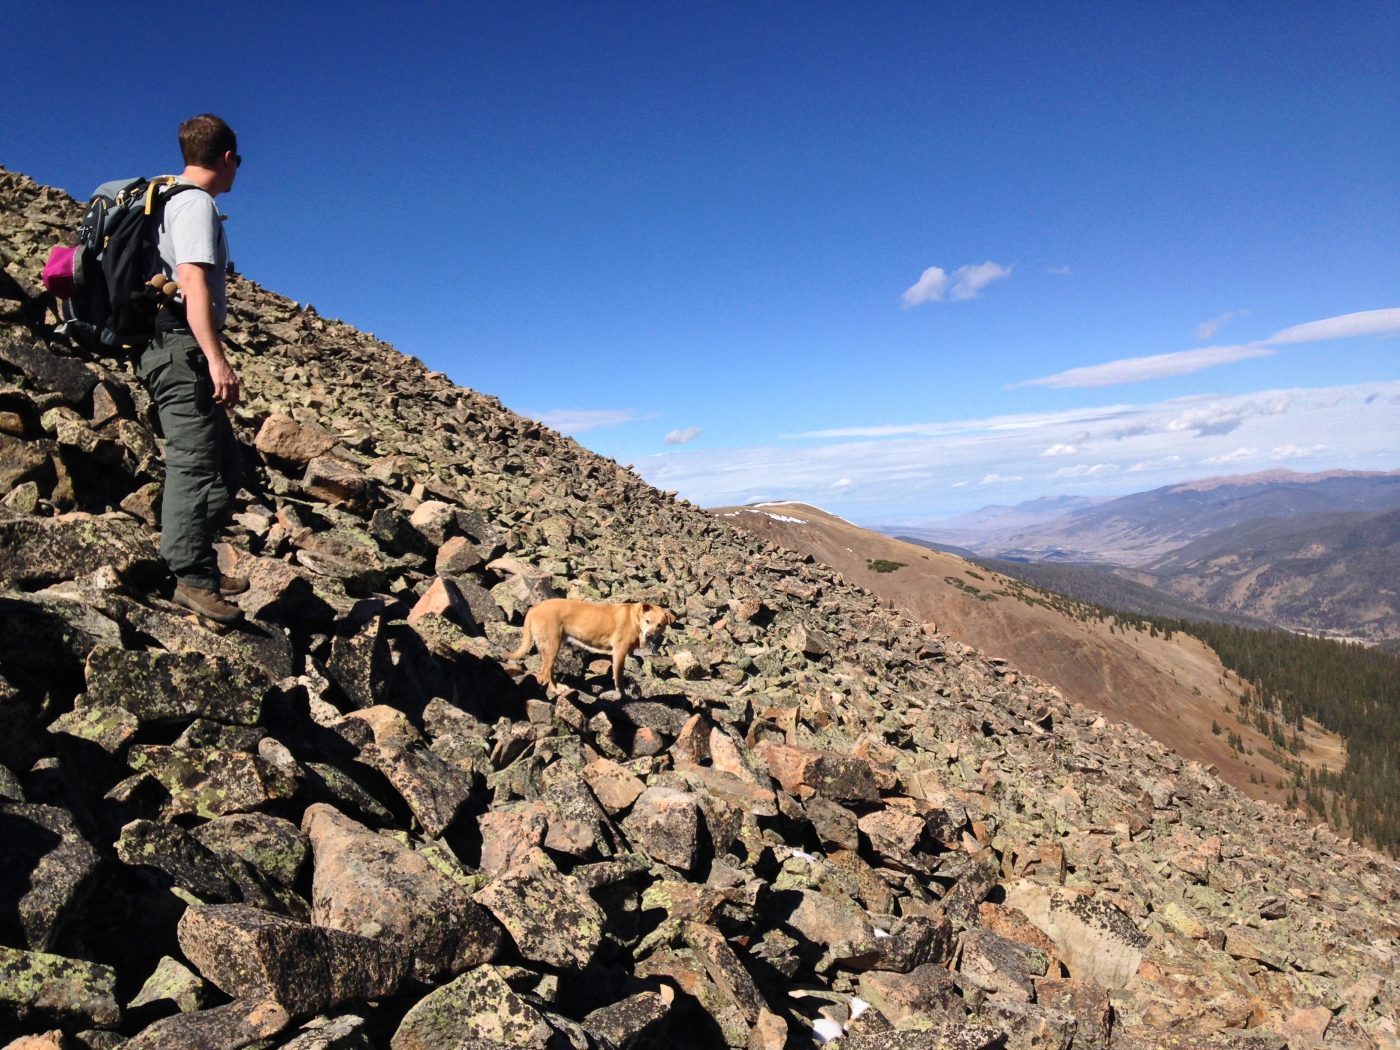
<point>206,138</point>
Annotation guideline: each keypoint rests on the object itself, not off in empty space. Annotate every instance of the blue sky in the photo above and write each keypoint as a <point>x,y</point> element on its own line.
<point>899,260</point>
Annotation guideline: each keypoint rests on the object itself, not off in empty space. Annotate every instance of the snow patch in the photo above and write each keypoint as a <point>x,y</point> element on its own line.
<point>826,1030</point>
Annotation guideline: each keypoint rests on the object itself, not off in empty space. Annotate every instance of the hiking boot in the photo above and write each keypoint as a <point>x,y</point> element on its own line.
<point>206,602</point>
<point>230,585</point>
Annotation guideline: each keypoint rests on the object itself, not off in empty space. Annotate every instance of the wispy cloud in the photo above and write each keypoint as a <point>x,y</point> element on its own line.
<point>925,469</point>
<point>1140,369</point>
<point>965,283</point>
<point>683,436</point>
<point>944,428</point>
<point>1060,450</point>
<point>1240,455</point>
<point>1164,463</point>
<point>969,280</point>
<point>1207,329</point>
<point>580,420</point>
<point>1184,362</point>
<point>1060,271</point>
<point>1347,326</point>
<point>1086,470</point>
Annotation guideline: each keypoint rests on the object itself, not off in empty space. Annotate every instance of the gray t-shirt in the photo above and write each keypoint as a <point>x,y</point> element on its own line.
<point>191,231</point>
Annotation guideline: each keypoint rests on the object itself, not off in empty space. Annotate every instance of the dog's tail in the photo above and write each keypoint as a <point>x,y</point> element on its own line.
<point>527,639</point>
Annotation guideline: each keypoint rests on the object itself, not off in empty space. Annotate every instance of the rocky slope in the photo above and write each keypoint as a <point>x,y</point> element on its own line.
<point>350,824</point>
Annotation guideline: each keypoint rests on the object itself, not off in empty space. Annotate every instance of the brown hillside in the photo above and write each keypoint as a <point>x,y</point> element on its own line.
<point>1172,689</point>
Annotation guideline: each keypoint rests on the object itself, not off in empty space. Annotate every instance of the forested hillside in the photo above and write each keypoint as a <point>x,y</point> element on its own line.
<point>1350,689</point>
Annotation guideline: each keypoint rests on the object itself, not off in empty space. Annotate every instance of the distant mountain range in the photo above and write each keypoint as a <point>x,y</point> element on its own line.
<point>1312,552</point>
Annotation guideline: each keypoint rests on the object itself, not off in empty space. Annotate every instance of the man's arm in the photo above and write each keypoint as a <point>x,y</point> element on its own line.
<point>199,315</point>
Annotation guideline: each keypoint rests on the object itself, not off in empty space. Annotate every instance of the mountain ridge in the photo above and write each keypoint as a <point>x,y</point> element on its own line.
<point>1141,527</point>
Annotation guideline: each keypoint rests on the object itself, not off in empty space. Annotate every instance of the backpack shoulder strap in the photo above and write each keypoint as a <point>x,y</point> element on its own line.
<point>161,189</point>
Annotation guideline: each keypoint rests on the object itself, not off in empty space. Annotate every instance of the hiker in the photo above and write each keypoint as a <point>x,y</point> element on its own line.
<point>188,376</point>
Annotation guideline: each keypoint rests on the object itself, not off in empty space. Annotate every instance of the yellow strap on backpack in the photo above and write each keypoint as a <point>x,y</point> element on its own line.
<point>155,185</point>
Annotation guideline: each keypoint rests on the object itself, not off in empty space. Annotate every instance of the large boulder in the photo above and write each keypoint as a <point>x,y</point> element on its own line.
<point>282,438</point>
<point>1097,941</point>
<point>550,916</point>
<point>253,954</point>
<point>46,870</point>
<point>369,884</point>
<point>39,551</point>
<point>170,687</point>
<point>72,380</point>
<point>666,823</point>
<point>477,1010</point>
<point>805,772</point>
<point>243,1022</point>
<point>434,790</point>
<point>53,985</point>
<point>274,846</point>
<point>211,782</point>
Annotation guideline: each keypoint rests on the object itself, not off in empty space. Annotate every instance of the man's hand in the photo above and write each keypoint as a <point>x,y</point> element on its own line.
<point>225,382</point>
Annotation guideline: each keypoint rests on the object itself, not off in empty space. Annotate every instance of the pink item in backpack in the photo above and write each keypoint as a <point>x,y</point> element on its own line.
<point>59,272</point>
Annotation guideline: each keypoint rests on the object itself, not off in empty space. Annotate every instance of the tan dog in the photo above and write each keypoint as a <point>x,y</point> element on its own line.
<point>611,629</point>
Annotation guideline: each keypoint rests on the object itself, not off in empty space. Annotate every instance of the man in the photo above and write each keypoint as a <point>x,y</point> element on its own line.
<point>188,376</point>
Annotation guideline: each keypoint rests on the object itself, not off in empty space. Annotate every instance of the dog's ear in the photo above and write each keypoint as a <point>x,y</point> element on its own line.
<point>647,607</point>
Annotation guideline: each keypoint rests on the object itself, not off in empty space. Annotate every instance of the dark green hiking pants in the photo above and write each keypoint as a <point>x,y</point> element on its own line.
<point>202,463</point>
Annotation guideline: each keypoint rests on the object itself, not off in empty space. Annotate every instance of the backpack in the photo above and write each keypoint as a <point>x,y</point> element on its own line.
<point>111,283</point>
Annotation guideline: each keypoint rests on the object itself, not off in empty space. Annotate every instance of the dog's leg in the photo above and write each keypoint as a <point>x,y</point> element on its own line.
<point>619,657</point>
<point>548,646</point>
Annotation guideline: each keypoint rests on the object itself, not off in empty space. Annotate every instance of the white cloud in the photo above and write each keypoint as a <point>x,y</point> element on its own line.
<point>1223,417</point>
<point>1059,271</point>
<point>1023,421</point>
<point>965,283</point>
<point>997,479</point>
<point>929,288</point>
<point>1155,464</point>
<point>1206,329</point>
<point>969,280</point>
<point>1084,470</point>
<point>1237,456</point>
<point>1060,450</point>
<point>682,437</point>
<point>842,483</point>
<point>1212,421</point>
<point>1184,362</point>
<point>1292,451</point>
<point>579,420</point>
<point>1140,369</point>
<point>1347,326</point>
